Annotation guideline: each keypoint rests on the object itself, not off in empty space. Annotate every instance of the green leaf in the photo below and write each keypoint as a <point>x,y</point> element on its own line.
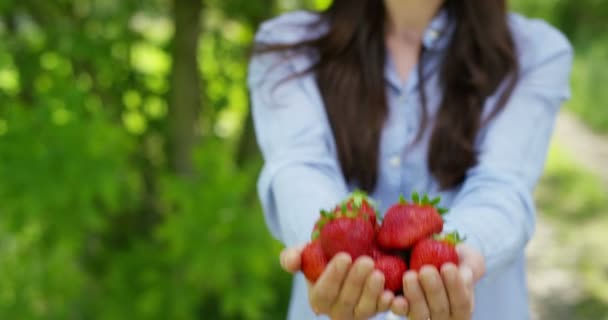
<point>426,200</point>
<point>416,197</point>
<point>402,199</point>
<point>435,201</point>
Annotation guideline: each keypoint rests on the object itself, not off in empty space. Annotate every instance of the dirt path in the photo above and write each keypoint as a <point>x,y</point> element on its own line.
<point>589,149</point>
<point>553,281</point>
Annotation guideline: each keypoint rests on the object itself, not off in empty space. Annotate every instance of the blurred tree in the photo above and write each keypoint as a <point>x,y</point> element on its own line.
<point>97,170</point>
<point>185,85</point>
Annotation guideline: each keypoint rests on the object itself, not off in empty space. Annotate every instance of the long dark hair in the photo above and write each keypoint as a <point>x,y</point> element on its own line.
<point>481,56</point>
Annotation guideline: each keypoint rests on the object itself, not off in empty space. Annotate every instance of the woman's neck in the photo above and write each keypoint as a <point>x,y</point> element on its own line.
<point>408,19</point>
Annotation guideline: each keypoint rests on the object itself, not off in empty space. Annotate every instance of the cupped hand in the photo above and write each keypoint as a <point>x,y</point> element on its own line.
<point>446,294</point>
<point>345,290</point>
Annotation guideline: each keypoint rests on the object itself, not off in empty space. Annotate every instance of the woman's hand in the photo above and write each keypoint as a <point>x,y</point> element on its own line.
<point>447,294</point>
<point>345,290</point>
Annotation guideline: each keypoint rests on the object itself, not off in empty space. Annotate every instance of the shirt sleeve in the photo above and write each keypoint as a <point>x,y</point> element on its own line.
<point>495,207</point>
<point>301,174</point>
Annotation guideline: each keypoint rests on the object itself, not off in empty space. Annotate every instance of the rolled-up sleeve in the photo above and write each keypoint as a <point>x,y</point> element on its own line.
<point>495,207</point>
<point>301,175</point>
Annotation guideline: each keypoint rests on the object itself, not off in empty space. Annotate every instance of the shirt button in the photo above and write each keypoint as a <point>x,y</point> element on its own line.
<point>395,161</point>
<point>433,34</point>
<point>402,99</point>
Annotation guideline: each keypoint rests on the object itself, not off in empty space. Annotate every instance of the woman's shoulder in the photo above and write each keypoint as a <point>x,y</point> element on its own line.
<point>285,29</point>
<point>290,27</point>
<point>537,40</point>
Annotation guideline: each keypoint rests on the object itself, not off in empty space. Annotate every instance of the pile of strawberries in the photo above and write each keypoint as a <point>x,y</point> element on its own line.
<point>408,235</point>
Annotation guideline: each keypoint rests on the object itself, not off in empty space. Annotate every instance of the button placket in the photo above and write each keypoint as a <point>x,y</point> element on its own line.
<point>402,99</point>
<point>395,161</point>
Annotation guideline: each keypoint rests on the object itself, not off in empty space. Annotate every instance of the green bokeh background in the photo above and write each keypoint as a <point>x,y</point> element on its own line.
<point>99,219</point>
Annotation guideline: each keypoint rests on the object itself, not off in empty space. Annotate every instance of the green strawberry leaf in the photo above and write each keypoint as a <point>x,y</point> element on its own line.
<point>435,201</point>
<point>426,200</point>
<point>416,198</point>
<point>453,238</point>
<point>358,196</point>
<point>325,214</point>
<point>402,200</point>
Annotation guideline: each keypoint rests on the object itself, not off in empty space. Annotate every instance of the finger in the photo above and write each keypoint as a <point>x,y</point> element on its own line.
<point>368,303</point>
<point>385,300</point>
<point>466,274</point>
<point>458,294</point>
<point>419,309</point>
<point>434,292</point>
<point>473,259</point>
<point>352,288</point>
<point>400,306</point>
<point>324,293</point>
<point>290,259</point>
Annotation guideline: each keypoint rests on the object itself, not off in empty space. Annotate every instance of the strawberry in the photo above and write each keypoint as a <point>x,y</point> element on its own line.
<point>377,252</point>
<point>435,251</point>
<point>357,204</point>
<point>313,261</point>
<point>348,232</point>
<point>360,202</point>
<point>393,269</point>
<point>406,223</point>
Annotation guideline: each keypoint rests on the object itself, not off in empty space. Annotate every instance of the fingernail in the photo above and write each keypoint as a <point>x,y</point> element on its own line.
<point>377,280</point>
<point>342,264</point>
<point>467,275</point>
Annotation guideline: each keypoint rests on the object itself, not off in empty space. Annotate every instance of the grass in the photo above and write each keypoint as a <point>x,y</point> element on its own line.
<point>575,202</point>
<point>589,75</point>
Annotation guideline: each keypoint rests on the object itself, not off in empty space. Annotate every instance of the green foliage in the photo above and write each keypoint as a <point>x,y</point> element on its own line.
<point>574,200</point>
<point>95,224</point>
<point>584,23</point>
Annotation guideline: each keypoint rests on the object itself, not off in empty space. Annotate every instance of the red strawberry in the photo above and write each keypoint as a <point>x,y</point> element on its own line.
<point>393,269</point>
<point>359,201</point>
<point>358,204</point>
<point>406,223</point>
<point>313,261</point>
<point>323,219</point>
<point>377,252</point>
<point>350,233</point>
<point>435,251</point>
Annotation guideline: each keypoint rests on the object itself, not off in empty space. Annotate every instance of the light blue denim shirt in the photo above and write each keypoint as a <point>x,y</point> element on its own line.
<point>493,208</point>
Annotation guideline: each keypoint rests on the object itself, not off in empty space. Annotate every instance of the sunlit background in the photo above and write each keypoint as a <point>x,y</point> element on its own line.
<point>128,164</point>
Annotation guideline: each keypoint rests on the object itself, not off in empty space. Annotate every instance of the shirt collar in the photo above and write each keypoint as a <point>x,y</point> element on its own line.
<point>438,33</point>
<point>435,38</point>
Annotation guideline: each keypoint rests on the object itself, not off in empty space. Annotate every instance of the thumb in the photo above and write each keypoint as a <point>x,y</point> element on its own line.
<point>290,259</point>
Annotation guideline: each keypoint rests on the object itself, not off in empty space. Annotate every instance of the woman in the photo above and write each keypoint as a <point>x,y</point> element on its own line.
<point>452,98</point>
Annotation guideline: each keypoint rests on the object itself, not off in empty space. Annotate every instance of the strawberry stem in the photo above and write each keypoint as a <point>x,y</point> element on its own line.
<point>454,238</point>
<point>435,201</point>
<point>402,200</point>
<point>416,198</point>
<point>358,196</point>
<point>426,200</point>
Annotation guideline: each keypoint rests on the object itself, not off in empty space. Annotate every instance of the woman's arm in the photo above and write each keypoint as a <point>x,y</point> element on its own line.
<point>495,206</point>
<point>300,176</point>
